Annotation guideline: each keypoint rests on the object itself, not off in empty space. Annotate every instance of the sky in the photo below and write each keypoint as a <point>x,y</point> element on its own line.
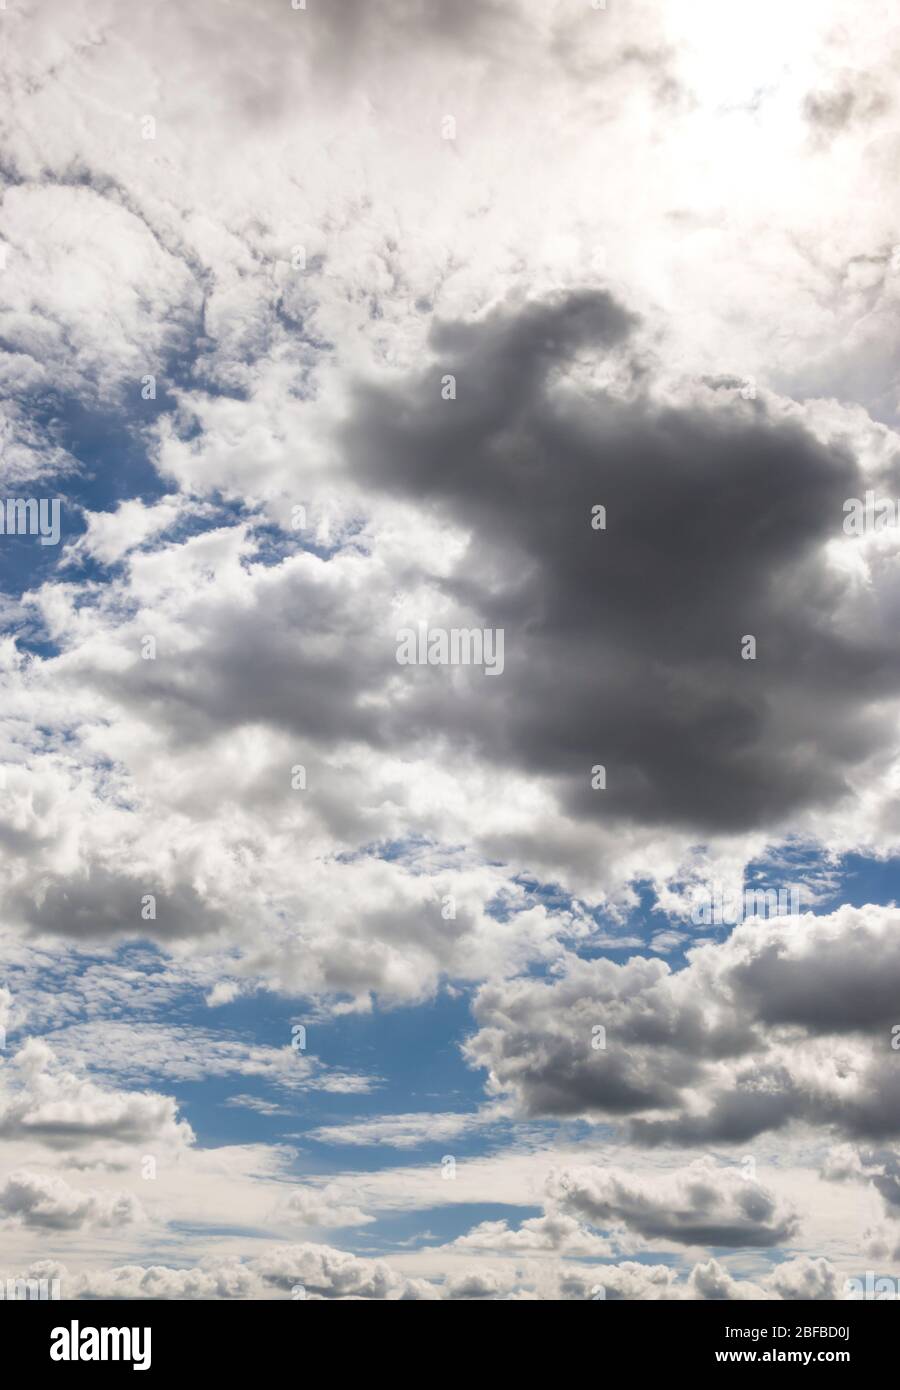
<point>450,751</point>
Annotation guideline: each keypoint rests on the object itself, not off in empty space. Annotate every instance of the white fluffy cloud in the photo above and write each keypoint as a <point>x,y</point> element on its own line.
<point>42,1102</point>
<point>322,1207</point>
<point>47,1202</point>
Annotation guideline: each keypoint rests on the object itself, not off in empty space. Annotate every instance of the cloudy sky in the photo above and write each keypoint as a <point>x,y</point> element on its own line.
<point>328,975</point>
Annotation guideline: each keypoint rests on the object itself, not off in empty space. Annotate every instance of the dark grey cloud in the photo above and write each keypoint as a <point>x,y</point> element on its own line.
<point>99,904</point>
<point>851,986</point>
<point>623,646</point>
<point>762,1098</point>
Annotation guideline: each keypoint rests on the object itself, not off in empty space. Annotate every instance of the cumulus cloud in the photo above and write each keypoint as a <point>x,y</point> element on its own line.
<point>686,548</point>
<point>46,1202</point>
<point>555,1232</point>
<point>323,1272</point>
<point>322,1206</point>
<point>733,1046</point>
<point>703,1205</point>
<point>59,1109</point>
